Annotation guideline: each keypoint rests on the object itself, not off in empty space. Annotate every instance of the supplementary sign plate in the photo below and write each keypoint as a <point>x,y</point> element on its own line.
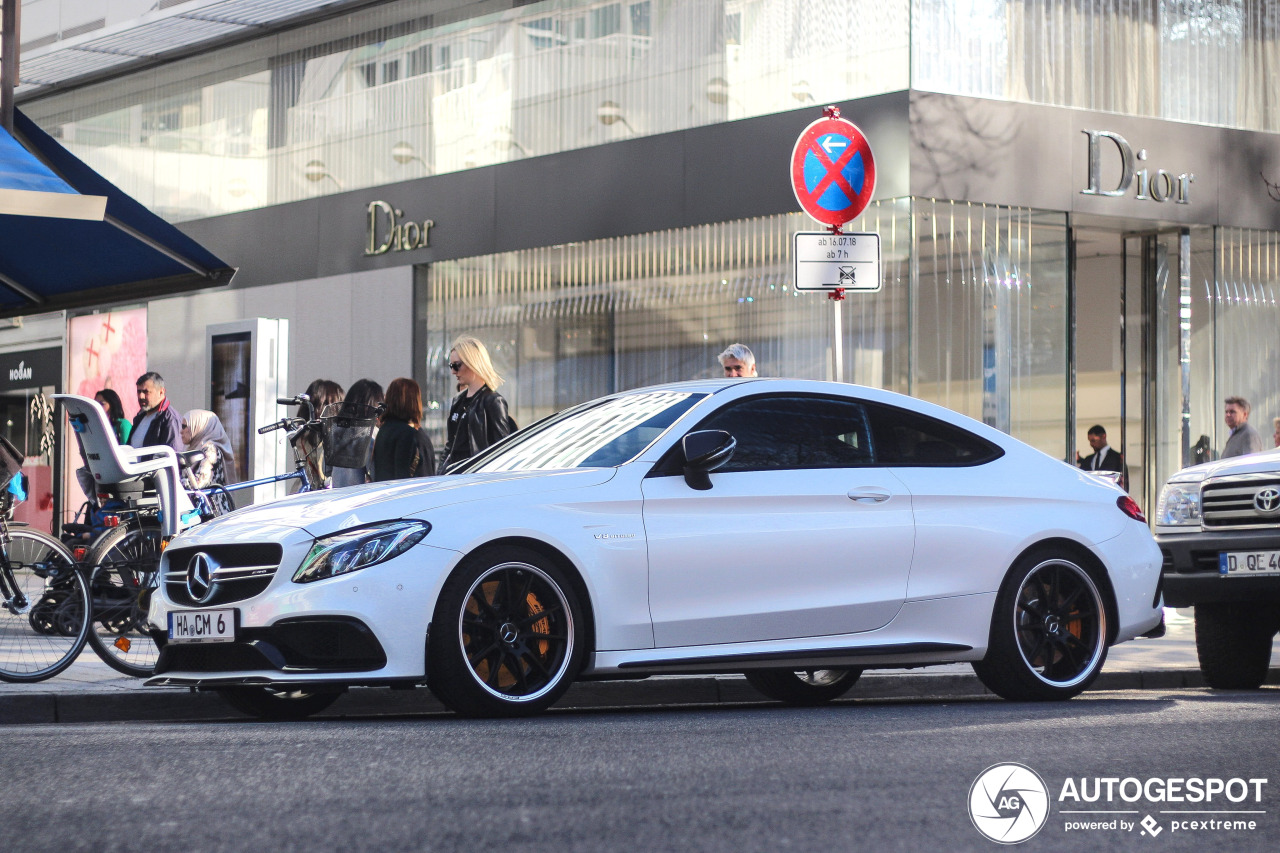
<point>826,261</point>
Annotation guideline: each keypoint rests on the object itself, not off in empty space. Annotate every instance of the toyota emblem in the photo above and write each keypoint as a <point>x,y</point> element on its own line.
<point>200,577</point>
<point>1267,501</point>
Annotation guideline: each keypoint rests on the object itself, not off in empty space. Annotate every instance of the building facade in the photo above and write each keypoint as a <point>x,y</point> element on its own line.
<point>1078,202</point>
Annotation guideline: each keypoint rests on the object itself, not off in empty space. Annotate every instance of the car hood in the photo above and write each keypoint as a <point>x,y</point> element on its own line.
<point>1254,463</point>
<point>324,512</point>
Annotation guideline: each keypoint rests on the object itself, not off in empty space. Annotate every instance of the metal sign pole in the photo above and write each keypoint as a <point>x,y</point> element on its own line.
<point>837,351</point>
<point>8,61</point>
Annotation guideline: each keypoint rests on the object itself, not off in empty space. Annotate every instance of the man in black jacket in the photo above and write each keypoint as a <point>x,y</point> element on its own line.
<point>156,422</point>
<point>1103,458</point>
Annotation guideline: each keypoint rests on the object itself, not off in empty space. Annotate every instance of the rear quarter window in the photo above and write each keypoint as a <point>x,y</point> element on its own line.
<point>908,438</point>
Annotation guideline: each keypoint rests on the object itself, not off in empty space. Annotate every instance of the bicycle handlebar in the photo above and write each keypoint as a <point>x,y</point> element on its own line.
<point>283,423</point>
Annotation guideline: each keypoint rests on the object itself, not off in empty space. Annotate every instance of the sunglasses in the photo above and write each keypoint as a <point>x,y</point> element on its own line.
<point>455,366</point>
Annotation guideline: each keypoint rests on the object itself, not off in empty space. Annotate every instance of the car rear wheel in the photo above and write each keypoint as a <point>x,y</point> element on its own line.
<point>1233,642</point>
<point>272,703</point>
<point>506,637</point>
<point>1048,631</point>
<point>803,686</point>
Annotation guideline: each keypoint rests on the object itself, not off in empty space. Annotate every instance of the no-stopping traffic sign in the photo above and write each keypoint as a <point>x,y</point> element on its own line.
<point>832,171</point>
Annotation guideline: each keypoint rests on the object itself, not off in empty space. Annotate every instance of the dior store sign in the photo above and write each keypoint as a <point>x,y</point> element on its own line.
<point>1135,174</point>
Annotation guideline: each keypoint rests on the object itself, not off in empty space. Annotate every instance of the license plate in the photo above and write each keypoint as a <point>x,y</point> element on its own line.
<point>1247,564</point>
<point>202,626</point>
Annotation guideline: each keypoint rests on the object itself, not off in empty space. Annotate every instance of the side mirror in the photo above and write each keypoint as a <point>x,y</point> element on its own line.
<point>704,452</point>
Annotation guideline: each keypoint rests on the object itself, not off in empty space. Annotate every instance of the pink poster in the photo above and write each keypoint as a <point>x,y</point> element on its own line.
<point>108,350</point>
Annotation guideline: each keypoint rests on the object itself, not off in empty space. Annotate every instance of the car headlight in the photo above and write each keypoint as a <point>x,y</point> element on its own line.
<point>1179,505</point>
<point>359,548</point>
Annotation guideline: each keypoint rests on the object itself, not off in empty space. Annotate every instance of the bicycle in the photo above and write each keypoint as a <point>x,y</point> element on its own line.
<point>44,601</point>
<point>124,563</point>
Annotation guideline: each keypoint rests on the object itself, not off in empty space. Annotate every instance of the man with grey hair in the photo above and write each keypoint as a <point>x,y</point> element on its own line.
<point>737,360</point>
<point>1244,439</point>
<point>156,422</point>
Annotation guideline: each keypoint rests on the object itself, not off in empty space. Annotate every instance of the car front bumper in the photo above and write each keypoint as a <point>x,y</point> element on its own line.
<point>1190,567</point>
<point>366,627</point>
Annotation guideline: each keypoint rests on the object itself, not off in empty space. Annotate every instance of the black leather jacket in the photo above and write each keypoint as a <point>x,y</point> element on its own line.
<point>474,424</point>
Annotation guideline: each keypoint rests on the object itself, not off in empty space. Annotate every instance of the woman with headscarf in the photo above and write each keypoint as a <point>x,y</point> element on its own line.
<point>201,430</point>
<point>478,416</point>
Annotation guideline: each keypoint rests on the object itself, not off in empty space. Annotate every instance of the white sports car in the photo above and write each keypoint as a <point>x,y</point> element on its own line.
<point>798,532</point>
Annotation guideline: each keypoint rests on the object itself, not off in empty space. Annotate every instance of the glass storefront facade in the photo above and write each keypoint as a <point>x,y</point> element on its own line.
<point>398,95</point>
<point>972,313</point>
<point>996,310</point>
<point>327,109</point>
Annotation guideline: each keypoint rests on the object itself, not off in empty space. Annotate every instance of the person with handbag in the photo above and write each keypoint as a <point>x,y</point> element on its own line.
<point>402,448</point>
<point>478,416</point>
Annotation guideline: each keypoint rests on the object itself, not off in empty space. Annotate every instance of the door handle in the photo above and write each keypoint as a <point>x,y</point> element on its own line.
<point>870,494</point>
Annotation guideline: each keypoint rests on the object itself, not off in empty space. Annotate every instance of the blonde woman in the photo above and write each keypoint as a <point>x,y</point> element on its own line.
<point>201,430</point>
<point>478,416</point>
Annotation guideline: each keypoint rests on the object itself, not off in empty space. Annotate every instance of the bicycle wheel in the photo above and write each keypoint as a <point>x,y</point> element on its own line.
<point>44,607</point>
<point>125,569</point>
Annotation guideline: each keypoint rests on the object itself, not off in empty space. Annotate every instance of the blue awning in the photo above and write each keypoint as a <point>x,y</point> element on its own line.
<point>69,238</point>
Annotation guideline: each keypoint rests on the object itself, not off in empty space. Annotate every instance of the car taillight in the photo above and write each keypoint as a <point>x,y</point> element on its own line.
<point>1130,508</point>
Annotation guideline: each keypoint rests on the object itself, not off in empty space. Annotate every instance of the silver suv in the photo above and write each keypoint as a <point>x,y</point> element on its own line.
<point>1218,525</point>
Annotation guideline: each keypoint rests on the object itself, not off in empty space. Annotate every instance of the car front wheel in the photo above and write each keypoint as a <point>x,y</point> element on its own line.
<point>1233,643</point>
<point>803,686</point>
<point>1048,631</point>
<point>506,636</point>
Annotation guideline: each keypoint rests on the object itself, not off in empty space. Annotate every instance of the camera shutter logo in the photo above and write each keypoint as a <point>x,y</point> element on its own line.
<point>200,577</point>
<point>1267,501</point>
<point>1008,803</point>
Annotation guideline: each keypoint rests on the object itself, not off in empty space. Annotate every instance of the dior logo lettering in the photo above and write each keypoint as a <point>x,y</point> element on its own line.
<point>387,233</point>
<point>1148,185</point>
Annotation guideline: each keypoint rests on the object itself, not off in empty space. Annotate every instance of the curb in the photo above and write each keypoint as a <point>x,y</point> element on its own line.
<point>182,704</point>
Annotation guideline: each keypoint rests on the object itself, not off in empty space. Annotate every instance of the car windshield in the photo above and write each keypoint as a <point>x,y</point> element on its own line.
<point>599,434</point>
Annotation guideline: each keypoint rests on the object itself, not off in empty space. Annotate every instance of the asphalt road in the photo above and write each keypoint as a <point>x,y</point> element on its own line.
<point>859,775</point>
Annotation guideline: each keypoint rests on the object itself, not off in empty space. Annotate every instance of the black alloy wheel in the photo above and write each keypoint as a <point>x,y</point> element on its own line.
<point>505,639</point>
<point>1048,633</point>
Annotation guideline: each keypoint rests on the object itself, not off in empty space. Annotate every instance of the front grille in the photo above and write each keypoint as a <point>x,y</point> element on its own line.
<point>243,572</point>
<point>1232,504</point>
<point>307,644</point>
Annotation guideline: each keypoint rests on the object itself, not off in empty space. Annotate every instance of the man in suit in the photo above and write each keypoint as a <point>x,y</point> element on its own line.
<point>1103,457</point>
<point>1244,439</point>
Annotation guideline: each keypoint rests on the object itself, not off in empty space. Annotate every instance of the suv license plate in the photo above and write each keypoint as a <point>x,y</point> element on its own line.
<point>202,626</point>
<point>1247,564</point>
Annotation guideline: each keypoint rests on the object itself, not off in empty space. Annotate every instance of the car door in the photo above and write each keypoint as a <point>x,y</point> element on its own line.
<point>799,536</point>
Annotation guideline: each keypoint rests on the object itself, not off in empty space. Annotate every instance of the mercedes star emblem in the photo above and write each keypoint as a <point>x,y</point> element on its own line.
<point>200,577</point>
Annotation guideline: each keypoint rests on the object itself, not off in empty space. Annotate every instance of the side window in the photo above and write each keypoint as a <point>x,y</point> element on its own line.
<point>908,438</point>
<point>784,432</point>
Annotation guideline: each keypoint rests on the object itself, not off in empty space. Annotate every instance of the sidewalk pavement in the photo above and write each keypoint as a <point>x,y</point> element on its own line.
<point>90,692</point>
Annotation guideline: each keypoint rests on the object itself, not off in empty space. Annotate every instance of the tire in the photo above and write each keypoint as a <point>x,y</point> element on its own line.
<point>806,687</point>
<point>1048,631</point>
<point>44,608</point>
<point>124,570</point>
<point>278,704</point>
<point>507,635</point>
<point>1233,642</point>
